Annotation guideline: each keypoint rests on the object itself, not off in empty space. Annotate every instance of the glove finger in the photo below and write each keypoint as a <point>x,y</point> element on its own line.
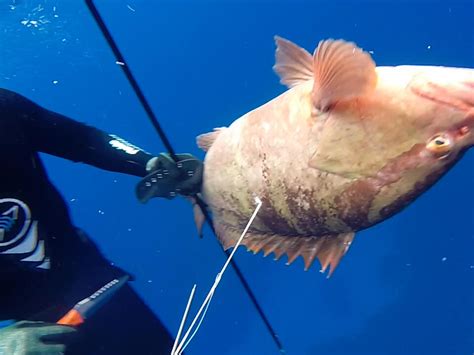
<point>30,324</point>
<point>166,156</point>
<point>189,166</point>
<point>166,161</point>
<point>55,329</point>
<point>152,186</point>
<point>181,156</point>
<point>66,336</point>
<point>185,156</point>
<point>169,164</point>
<point>192,178</point>
<point>50,349</point>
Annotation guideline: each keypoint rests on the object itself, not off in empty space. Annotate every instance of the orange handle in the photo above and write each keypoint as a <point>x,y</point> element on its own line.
<point>72,317</point>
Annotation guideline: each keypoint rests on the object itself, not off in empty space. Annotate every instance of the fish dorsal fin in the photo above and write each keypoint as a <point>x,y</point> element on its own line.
<point>205,140</point>
<point>293,64</point>
<point>341,71</point>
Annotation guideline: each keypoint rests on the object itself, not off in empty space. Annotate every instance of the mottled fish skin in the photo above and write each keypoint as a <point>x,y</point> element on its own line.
<point>373,152</point>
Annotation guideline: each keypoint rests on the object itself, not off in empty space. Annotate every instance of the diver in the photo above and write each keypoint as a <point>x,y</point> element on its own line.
<point>47,264</point>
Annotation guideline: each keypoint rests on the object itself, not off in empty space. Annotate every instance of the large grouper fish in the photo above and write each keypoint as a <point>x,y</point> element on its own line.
<point>348,145</point>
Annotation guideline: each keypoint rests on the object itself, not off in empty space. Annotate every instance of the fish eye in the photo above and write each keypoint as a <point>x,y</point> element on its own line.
<point>440,145</point>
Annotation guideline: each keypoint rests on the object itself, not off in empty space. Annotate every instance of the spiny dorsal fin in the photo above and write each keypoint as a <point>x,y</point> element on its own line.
<point>205,141</point>
<point>341,71</point>
<point>293,64</point>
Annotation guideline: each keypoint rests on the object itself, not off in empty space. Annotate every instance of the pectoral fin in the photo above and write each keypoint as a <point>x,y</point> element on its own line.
<point>339,149</point>
<point>341,71</point>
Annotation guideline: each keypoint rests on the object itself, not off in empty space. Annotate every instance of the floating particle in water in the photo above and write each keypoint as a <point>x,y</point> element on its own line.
<point>37,18</point>
<point>130,8</point>
<point>444,258</point>
<point>38,8</point>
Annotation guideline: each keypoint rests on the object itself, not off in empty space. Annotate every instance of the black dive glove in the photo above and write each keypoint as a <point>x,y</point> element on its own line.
<point>36,338</point>
<point>168,178</point>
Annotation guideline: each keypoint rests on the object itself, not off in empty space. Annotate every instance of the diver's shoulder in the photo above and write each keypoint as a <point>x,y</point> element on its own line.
<point>12,102</point>
<point>7,95</point>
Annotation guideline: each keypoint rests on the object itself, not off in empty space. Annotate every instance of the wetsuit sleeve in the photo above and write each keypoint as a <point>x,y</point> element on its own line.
<point>55,134</point>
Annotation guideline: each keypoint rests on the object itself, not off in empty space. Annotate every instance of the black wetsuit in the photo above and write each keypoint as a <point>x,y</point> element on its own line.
<point>46,263</point>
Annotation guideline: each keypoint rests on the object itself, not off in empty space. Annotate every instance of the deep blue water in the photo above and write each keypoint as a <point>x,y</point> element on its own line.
<point>405,287</point>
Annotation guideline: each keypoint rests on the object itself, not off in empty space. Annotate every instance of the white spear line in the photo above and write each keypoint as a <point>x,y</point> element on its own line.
<point>185,315</point>
<point>205,304</point>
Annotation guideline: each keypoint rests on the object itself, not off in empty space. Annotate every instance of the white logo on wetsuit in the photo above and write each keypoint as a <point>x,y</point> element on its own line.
<point>19,234</point>
<point>122,144</point>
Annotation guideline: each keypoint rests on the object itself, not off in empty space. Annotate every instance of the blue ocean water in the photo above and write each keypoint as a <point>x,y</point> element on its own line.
<point>405,287</point>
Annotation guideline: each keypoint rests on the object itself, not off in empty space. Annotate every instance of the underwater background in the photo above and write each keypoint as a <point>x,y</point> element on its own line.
<point>406,286</point>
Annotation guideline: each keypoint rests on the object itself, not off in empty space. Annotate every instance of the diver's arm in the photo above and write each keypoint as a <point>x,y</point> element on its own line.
<point>61,136</point>
<point>50,132</point>
<point>55,134</point>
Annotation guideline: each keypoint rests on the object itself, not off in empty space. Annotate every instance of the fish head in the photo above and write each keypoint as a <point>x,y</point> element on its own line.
<point>436,128</point>
<point>433,108</point>
<point>445,109</point>
<point>401,138</point>
<point>424,114</point>
<point>364,117</point>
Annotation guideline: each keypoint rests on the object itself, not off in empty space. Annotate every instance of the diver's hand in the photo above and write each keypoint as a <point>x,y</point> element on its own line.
<point>168,178</point>
<point>35,338</point>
